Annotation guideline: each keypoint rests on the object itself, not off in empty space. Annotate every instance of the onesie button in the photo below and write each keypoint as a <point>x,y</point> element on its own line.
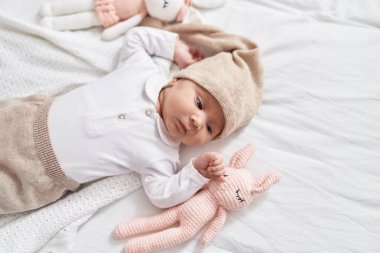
<point>121,116</point>
<point>148,113</point>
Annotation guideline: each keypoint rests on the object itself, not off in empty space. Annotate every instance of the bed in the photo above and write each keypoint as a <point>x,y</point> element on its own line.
<point>318,125</point>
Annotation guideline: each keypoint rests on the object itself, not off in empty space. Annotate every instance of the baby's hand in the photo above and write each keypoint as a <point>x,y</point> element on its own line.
<point>184,55</point>
<point>210,165</point>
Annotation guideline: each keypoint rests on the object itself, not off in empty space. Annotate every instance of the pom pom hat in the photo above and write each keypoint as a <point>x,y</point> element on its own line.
<point>232,72</point>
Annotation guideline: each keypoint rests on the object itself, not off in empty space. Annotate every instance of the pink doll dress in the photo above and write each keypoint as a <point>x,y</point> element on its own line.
<point>111,12</point>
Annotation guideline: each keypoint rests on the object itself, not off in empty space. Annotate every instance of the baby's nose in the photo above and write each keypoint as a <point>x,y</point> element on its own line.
<point>197,122</point>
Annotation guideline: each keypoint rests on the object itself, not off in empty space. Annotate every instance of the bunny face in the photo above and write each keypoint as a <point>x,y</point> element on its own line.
<point>165,10</point>
<point>236,191</point>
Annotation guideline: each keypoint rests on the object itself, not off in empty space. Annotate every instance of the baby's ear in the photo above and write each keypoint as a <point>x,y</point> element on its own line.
<point>265,182</point>
<point>240,158</point>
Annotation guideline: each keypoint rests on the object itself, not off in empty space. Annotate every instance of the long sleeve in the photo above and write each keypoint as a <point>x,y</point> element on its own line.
<point>165,188</point>
<point>142,43</point>
<point>163,182</point>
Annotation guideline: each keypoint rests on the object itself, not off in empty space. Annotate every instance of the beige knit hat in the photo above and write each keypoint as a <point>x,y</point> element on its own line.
<point>232,72</point>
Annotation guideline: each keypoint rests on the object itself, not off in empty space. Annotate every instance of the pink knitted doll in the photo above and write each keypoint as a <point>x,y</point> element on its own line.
<point>235,191</point>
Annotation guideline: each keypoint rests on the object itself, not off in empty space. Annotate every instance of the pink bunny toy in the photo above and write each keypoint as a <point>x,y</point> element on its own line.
<point>236,191</point>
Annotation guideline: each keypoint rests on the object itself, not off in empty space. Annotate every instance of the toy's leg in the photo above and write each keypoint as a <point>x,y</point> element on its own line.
<point>64,8</point>
<point>160,240</point>
<point>146,224</point>
<point>71,22</point>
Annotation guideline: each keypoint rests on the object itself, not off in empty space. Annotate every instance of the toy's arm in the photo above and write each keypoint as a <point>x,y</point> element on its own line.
<point>120,28</point>
<point>215,226</point>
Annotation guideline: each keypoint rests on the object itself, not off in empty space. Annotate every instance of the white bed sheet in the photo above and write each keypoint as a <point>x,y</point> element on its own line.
<point>318,124</point>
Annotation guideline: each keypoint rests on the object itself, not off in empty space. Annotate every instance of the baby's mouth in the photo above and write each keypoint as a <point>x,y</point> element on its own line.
<point>182,127</point>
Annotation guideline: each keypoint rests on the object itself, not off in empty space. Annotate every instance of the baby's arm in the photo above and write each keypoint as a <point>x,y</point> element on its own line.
<point>141,43</point>
<point>145,42</point>
<point>166,186</point>
<point>184,55</point>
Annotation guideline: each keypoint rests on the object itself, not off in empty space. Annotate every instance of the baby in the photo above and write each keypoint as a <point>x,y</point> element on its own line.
<point>133,119</point>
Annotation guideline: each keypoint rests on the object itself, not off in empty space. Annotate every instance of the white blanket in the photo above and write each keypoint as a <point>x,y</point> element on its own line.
<point>59,222</point>
<point>318,125</point>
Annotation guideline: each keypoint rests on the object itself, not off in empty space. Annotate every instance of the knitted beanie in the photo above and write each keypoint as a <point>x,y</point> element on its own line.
<point>231,71</point>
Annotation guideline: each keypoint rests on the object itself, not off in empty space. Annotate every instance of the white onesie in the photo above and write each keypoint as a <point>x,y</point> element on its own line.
<point>110,126</point>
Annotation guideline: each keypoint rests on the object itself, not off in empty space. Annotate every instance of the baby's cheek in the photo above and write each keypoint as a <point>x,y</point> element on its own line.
<point>196,140</point>
<point>191,142</point>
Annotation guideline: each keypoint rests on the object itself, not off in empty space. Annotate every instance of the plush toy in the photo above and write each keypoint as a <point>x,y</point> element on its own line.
<point>209,206</point>
<point>117,16</point>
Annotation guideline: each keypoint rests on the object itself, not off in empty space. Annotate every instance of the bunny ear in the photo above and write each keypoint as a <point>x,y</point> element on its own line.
<point>265,182</point>
<point>240,158</point>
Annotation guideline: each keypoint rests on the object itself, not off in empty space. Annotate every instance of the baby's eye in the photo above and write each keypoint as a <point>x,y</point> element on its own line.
<point>199,103</point>
<point>209,129</point>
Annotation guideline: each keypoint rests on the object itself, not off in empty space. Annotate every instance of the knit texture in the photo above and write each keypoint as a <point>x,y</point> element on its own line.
<point>26,47</point>
<point>28,232</point>
<point>232,72</point>
<point>209,206</point>
<point>29,172</point>
<point>45,151</point>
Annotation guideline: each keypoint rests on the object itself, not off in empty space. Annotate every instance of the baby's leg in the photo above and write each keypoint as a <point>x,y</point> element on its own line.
<point>146,224</point>
<point>59,8</point>
<point>71,22</point>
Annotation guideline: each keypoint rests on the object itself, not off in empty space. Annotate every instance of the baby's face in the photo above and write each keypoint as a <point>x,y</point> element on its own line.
<point>190,113</point>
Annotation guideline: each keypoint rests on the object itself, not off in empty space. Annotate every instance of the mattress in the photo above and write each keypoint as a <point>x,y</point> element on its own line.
<point>318,123</point>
